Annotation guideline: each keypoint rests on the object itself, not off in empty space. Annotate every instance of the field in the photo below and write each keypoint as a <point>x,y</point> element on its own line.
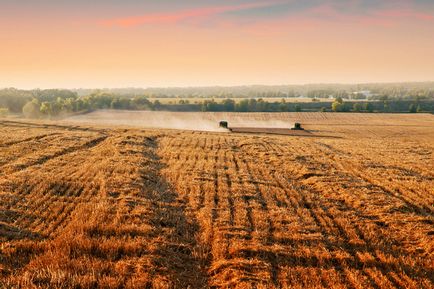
<point>87,204</point>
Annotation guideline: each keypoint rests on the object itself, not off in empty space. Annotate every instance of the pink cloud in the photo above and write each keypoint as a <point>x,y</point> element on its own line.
<point>183,15</point>
<point>313,17</point>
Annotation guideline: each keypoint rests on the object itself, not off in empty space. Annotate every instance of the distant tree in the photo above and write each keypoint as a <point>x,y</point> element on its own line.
<point>339,100</point>
<point>358,96</point>
<point>337,106</point>
<point>69,105</point>
<point>297,108</point>
<point>323,109</point>
<point>46,108</point>
<point>242,106</point>
<point>50,95</point>
<point>228,104</point>
<point>252,104</point>
<point>357,107</point>
<point>115,104</point>
<point>386,106</point>
<point>31,109</point>
<point>81,104</point>
<point>383,97</point>
<point>342,94</point>
<point>14,99</point>
<point>369,107</point>
<point>419,109</point>
<point>261,105</point>
<point>141,102</point>
<point>4,111</point>
<point>157,105</point>
<point>282,106</point>
<point>412,108</point>
<point>125,103</point>
<point>210,105</point>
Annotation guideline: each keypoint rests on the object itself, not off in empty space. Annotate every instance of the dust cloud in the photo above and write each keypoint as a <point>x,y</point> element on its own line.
<point>199,121</point>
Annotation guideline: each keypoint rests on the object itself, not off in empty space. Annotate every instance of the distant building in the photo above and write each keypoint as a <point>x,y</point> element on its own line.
<point>365,93</point>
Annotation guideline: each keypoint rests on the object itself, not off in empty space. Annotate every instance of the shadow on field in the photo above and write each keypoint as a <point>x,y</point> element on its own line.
<point>120,226</point>
<point>175,255</point>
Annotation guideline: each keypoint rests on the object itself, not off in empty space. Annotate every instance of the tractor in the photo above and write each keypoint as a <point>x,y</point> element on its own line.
<point>223,124</point>
<point>297,126</point>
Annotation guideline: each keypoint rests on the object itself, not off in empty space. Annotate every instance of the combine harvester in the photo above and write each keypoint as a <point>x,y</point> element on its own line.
<point>296,130</point>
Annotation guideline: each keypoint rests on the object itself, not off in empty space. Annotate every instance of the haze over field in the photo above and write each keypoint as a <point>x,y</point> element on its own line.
<point>209,121</point>
<point>62,43</point>
<point>176,120</point>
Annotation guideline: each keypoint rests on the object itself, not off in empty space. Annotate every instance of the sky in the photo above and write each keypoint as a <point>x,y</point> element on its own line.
<point>143,43</point>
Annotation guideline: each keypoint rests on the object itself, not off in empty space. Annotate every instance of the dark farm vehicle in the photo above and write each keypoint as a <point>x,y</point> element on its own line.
<point>297,126</point>
<point>223,124</point>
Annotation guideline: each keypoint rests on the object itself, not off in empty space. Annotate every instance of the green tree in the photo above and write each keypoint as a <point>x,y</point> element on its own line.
<point>357,107</point>
<point>252,104</point>
<point>386,106</point>
<point>210,105</point>
<point>50,95</point>
<point>125,103</point>
<point>142,102</point>
<point>337,106</point>
<point>261,105</point>
<point>412,108</point>
<point>115,104</point>
<point>228,104</point>
<point>242,106</point>
<point>46,108</point>
<point>69,105</point>
<point>369,107</point>
<point>81,104</point>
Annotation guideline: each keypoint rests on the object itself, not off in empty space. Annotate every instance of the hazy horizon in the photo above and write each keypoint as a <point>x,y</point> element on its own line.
<point>222,86</point>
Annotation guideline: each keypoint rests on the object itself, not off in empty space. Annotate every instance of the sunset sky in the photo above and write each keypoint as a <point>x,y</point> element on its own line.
<point>126,43</point>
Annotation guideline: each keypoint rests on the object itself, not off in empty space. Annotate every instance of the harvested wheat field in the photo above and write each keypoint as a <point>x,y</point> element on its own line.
<point>351,206</point>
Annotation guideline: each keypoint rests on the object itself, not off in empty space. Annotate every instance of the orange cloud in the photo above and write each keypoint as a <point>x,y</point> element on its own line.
<point>183,15</point>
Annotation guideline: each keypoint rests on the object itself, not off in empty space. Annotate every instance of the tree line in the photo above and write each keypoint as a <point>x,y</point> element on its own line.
<point>57,102</point>
<point>367,91</point>
<point>338,105</point>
